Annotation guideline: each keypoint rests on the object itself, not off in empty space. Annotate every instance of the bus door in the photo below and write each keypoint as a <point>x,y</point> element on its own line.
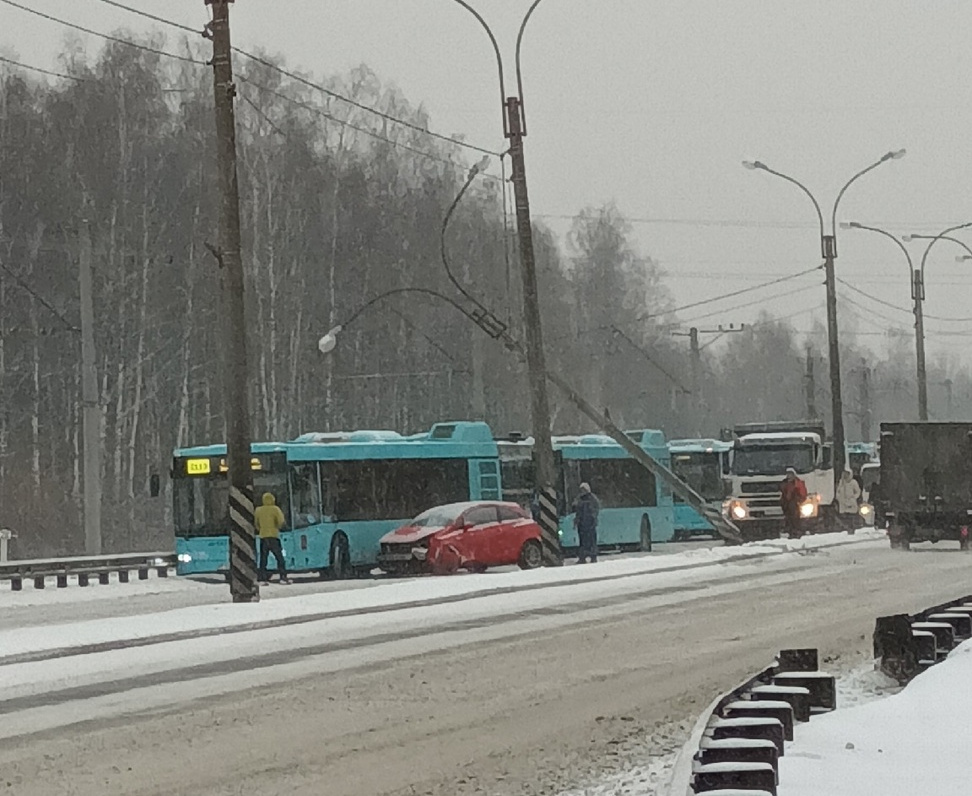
<point>305,537</point>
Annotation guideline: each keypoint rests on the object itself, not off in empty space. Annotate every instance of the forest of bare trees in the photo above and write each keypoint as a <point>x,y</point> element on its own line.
<point>338,205</point>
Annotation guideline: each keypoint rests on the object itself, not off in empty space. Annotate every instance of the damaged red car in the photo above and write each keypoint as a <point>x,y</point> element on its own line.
<point>471,536</point>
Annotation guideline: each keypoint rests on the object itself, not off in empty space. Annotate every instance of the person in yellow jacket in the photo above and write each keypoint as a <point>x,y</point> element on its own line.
<point>268,520</point>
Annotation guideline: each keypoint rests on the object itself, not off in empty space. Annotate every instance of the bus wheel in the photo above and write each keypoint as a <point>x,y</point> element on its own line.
<point>645,534</point>
<point>340,558</point>
<point>531,555</point>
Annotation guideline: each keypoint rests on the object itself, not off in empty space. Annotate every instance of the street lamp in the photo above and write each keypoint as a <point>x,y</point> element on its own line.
<point>723,526</point>
<point>916,280</point>
<point>828,249</point>
<point>919,290</point>
<point>514,129</point>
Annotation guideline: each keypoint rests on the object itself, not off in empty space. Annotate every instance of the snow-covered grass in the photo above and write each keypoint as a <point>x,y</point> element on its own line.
<point>203,618</point>
<point>912,743</point>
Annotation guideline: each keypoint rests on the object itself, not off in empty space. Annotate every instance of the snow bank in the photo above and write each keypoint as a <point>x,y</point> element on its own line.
<point>910,744</point>
<point>394,594</point>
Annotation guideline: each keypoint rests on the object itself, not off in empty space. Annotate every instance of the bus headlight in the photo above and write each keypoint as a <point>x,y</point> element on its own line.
<point>184,558</point>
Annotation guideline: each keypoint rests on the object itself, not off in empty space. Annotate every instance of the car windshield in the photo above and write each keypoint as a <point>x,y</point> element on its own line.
<point>772,459</point>
<point>437,517</point>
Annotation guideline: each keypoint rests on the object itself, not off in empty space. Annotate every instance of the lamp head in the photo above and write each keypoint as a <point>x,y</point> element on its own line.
<point>329,341</point>
<point>850,225</point>
<point>479,167</point>
<point>752,165</point>
<point>896,154</point>
<point>908,238</point>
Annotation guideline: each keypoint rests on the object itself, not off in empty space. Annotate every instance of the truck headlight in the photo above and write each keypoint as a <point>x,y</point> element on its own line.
<point>737,510</point>
<point>808,508</point>
<point>866,509</point>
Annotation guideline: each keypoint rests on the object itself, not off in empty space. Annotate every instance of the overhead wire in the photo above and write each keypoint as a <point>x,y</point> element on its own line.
<point>107,36</point>
<point>899,308</point>
<point>43,71</point>
<point>311,84</point>
<point>732,294</point>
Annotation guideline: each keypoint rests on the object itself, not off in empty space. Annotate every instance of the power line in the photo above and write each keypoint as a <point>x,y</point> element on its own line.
<point>163,20</point>
<point>43,71</point>
<point>901,309</point>
<point>762,300</point>
<point>108,37</point>
<point>732,294</point>
<point>309,83</point>
<point>330,117</point>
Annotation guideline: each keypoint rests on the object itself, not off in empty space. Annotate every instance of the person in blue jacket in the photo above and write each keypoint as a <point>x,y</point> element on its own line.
<point>586,508</point>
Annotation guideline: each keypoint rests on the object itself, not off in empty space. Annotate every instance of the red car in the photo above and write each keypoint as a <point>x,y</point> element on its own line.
<point>470,536</point>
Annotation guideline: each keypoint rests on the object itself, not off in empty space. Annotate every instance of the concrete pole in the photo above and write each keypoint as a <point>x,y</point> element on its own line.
<point>837,401</point>
<point>242,572</point>
<point>90,399</point>
<point>546,471</point>
<point>922,374</point>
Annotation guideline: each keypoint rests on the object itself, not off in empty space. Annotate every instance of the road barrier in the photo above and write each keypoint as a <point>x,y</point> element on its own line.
<point>907,644</point>
<point>85,568</point>
<point>736,744</point>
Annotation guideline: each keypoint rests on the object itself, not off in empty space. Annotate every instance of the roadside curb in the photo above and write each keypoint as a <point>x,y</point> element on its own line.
<point>904,646</point>
<point>34,656</point>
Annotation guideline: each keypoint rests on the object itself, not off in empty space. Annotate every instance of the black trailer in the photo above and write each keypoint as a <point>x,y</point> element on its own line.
<point>926,482</point>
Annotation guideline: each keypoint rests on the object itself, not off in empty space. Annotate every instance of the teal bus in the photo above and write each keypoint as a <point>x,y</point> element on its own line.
<point>703,464</point>
<point>636,508</point>
<point>340,492</point>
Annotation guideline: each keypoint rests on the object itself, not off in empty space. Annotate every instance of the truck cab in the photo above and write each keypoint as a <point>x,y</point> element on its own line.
<point>760,457</point>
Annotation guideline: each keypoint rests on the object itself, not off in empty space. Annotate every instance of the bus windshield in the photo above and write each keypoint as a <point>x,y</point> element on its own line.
<point>772,459</point>
<point>201,504</point>
<point>701,471</point>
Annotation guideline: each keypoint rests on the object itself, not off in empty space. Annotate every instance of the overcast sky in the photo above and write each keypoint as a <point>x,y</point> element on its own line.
<point>653,105</point>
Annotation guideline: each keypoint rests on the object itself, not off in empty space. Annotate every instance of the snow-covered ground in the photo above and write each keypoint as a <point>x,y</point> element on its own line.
<point>913,743</point>
<point>209,618</point>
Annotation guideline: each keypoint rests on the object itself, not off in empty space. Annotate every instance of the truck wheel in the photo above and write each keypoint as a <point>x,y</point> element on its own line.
<point>340,558</point>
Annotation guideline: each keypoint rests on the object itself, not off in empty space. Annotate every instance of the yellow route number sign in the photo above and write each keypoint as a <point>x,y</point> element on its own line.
<point>198,467</point>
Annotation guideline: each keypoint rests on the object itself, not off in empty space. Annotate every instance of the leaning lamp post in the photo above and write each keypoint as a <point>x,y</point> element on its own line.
<point>724,526</point>
<point>828,249</point>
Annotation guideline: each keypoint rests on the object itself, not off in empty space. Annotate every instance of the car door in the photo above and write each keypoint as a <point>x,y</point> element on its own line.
<point>514,529</point>
<point>478,541</point>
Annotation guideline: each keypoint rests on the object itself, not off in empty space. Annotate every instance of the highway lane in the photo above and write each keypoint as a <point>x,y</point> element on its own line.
<point>524,700</point>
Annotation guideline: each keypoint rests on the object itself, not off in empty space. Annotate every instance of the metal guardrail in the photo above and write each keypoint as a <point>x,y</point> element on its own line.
<point>907,644</point>
<point>736,743</point>
<point>85,568</point>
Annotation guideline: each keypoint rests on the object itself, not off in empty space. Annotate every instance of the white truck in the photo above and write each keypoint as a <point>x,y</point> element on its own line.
<point>760,457</point>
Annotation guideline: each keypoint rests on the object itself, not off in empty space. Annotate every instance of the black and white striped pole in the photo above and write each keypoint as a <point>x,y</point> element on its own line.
<point>242,559</point>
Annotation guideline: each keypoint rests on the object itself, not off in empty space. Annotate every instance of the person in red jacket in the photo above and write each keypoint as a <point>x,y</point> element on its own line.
<point>792,493</point>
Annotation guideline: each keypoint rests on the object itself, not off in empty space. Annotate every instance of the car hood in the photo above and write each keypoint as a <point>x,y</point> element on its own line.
<point>411,533</point>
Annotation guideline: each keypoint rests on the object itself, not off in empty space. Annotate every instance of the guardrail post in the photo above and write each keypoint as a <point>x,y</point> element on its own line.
<point>82,579</point>
<point>123,576</point>
<point>103,578</point>
<point>16,584</point>
<point>39,582</point>
<point>895,647</point>
<point>143,573</point>
<point>62,580</point>
<point>162,572</point>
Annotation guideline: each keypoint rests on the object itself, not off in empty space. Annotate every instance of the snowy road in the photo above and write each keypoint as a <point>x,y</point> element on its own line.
<point>527,692</point>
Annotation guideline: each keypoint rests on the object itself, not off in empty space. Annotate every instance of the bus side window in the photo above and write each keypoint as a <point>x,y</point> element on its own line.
<point>305,494</point>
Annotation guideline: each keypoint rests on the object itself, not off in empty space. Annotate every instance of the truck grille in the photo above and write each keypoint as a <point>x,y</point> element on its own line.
<point>761,488</point>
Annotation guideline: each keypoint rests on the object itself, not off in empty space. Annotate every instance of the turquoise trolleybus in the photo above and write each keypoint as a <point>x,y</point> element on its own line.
<point>636,510</point>
<point>340,492</point>
<point>703,465</point>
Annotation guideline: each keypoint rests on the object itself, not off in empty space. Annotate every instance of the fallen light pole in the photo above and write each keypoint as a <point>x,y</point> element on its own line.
<point>497,330</point>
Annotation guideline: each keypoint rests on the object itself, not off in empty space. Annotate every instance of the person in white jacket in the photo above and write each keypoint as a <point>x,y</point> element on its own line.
<point>848,498</point>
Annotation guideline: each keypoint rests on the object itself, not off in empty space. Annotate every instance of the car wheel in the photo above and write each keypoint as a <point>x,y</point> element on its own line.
<point>531,555</point>
<point>340,558</point>
<point>646,541</point>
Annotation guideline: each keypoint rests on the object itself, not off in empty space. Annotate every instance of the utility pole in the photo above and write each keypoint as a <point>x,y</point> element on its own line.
<point>90,401</point>
<point>536,361</point>
<point>811,387</point>
<point>696,353</point>
<point>918,294</point>
<point>865,398</point>
<point>242,571</point>
<point>829,245</point>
